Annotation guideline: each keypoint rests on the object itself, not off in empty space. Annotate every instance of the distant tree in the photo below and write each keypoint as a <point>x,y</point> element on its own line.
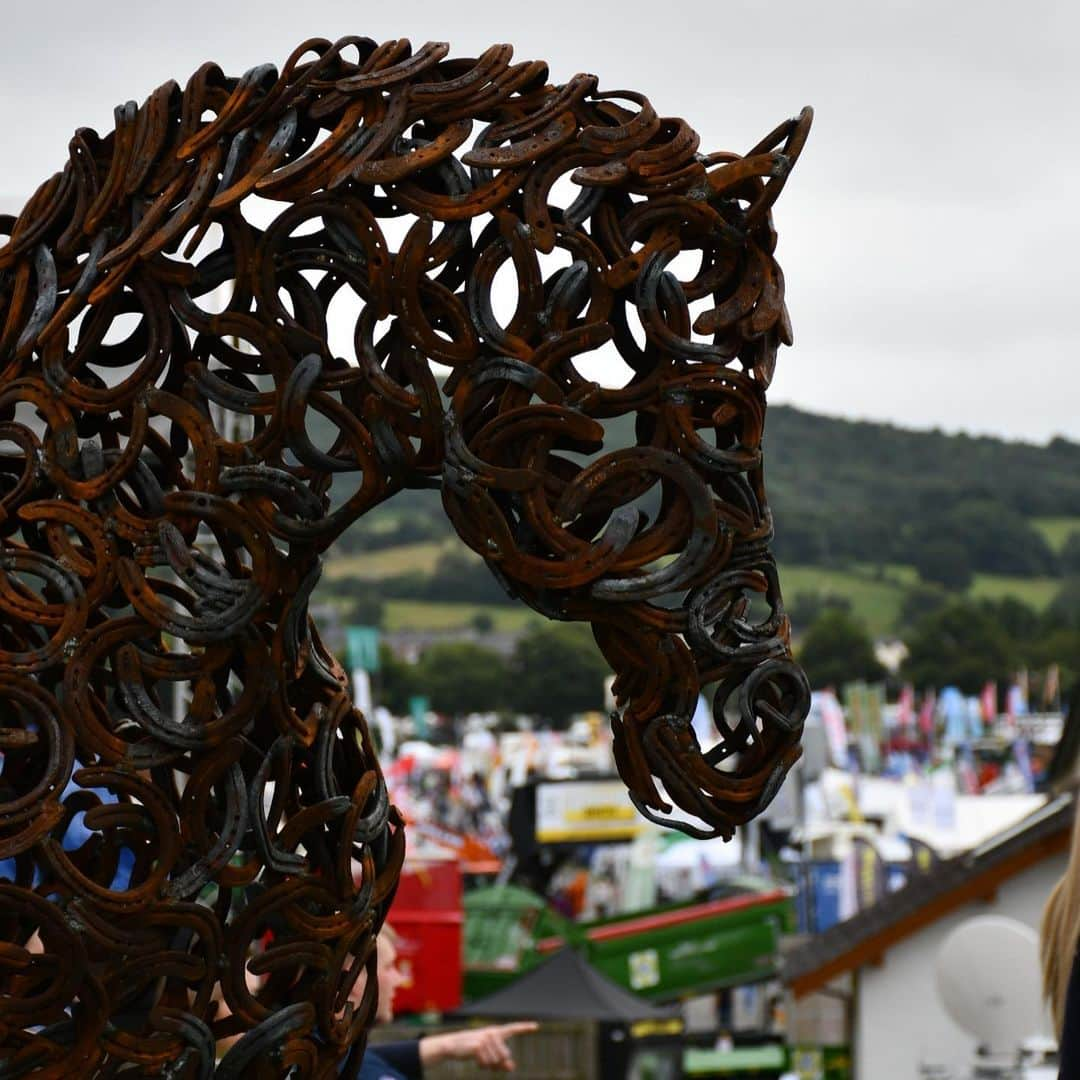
<point>996,538</point>
<point>395,682</point>
<point>1019,620</point>
<point>1069,556</point>
<point>365,608</point>
<point>556,671</point>
<point>837,649</point>
<point>963,645</point>
<point>482,622</point>
<point>461,677</point>
<point>1064,608</point>
<point>458,577</point>
<point>943,562</point>
<point>918,602</point>
<point>1058,646</point>
<point>808,606</point>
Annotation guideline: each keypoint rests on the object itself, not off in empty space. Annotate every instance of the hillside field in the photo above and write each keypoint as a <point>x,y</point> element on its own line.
<point>875,596</point>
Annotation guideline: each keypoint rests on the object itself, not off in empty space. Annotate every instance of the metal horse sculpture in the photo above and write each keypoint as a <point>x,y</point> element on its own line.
<point>168,883</point>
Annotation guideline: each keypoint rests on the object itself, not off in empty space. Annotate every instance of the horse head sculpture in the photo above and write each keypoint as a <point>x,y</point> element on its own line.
<point>167,304</point>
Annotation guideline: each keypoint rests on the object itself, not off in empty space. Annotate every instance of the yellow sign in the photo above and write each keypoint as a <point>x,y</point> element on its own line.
<point>585,811</point>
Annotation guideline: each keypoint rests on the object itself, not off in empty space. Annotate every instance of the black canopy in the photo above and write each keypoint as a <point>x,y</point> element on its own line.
<point>566,987</point>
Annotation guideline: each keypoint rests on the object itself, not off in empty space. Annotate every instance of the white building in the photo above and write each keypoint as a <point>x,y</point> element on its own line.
<point>868,984</point>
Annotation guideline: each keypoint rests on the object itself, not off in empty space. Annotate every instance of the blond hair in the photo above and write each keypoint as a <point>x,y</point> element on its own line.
<point>1060,933</point>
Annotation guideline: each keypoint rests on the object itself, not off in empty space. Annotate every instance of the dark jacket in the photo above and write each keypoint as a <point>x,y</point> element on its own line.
<point>390,1061</point>
<point>1069,1047</point>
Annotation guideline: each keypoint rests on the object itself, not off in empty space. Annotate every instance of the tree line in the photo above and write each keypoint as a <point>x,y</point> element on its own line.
<point>951,641</point>
<point>554,672</point>
<point>859,492</point>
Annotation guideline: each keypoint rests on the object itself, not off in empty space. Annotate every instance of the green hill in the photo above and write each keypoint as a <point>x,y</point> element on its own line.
<point>863,511</point>
<point>853,490</point>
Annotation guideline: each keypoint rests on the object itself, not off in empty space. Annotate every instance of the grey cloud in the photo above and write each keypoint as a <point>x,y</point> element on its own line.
<point>927,234</point>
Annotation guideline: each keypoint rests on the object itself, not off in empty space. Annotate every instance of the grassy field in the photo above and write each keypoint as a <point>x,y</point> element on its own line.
<point>420,615</point>
<point>1057,529</point>
<point>876,594</point>
<point>373,565</point>
<point>877,600</point>
<point>1036,592</point>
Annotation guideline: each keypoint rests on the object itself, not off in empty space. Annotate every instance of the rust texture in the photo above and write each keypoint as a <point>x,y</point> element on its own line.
<point>164,345</point>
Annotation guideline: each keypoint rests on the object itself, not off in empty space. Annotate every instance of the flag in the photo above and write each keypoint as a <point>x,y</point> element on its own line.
<point>975,723</point>
<point>926,713</point>
<point>1022,755</point>
<point>988,702</point>
<point>1015,702</point>
<point>954,710</point>
<point>967,774</point>
<point>905,707</point>
<point>869,872</point>
<point>1051,685</point>
<point>832,719</point>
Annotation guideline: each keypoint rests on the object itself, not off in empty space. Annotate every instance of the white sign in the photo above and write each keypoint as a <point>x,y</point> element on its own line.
<point>585,811</point>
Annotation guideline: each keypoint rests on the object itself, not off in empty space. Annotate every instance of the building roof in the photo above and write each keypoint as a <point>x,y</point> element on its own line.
<point>972,875</point>
<point>566,987</point>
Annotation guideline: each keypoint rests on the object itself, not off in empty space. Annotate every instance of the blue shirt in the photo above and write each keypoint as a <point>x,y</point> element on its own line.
<point>389,1061</point>
<point>373,1067</point>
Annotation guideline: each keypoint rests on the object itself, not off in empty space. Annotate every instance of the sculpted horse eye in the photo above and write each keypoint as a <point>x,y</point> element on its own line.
<point>540,298</point>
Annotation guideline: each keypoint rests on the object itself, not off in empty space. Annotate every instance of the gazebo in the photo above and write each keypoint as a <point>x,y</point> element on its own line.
<point>631,1036</point>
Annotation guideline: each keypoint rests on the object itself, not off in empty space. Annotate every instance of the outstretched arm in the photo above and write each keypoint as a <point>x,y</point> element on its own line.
<point>487,1046</point>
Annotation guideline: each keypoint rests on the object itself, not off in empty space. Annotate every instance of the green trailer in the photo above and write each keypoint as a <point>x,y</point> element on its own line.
<point>503,924</point>
<point>766,1062</point>
<point>662,953</point>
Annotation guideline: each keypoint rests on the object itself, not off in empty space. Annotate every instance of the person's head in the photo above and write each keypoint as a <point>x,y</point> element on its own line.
<point>389,976</point>
<point>1060,933</point>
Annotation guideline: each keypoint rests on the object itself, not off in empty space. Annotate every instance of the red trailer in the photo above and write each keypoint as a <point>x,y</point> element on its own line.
<point>428,916</point>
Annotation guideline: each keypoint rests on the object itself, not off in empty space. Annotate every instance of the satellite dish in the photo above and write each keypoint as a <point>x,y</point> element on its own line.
<point>989,980</point>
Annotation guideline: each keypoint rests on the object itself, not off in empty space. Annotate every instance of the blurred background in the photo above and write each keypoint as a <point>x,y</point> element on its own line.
<point>922,449</point>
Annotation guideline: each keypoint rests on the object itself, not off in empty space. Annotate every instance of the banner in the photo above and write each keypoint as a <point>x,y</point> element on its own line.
<point>954,711</point>
<point>1022,755</point>
<point>864,705</point>
<point>905,707</point>
<point>1052,687</point>
<point>362,648</point>
<point>585,811</point>
<point>418,710</point>
<point>870,878</point>
<point>926,713</point>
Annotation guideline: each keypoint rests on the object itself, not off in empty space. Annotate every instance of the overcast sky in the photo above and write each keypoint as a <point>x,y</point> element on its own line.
<point>928,234</point>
